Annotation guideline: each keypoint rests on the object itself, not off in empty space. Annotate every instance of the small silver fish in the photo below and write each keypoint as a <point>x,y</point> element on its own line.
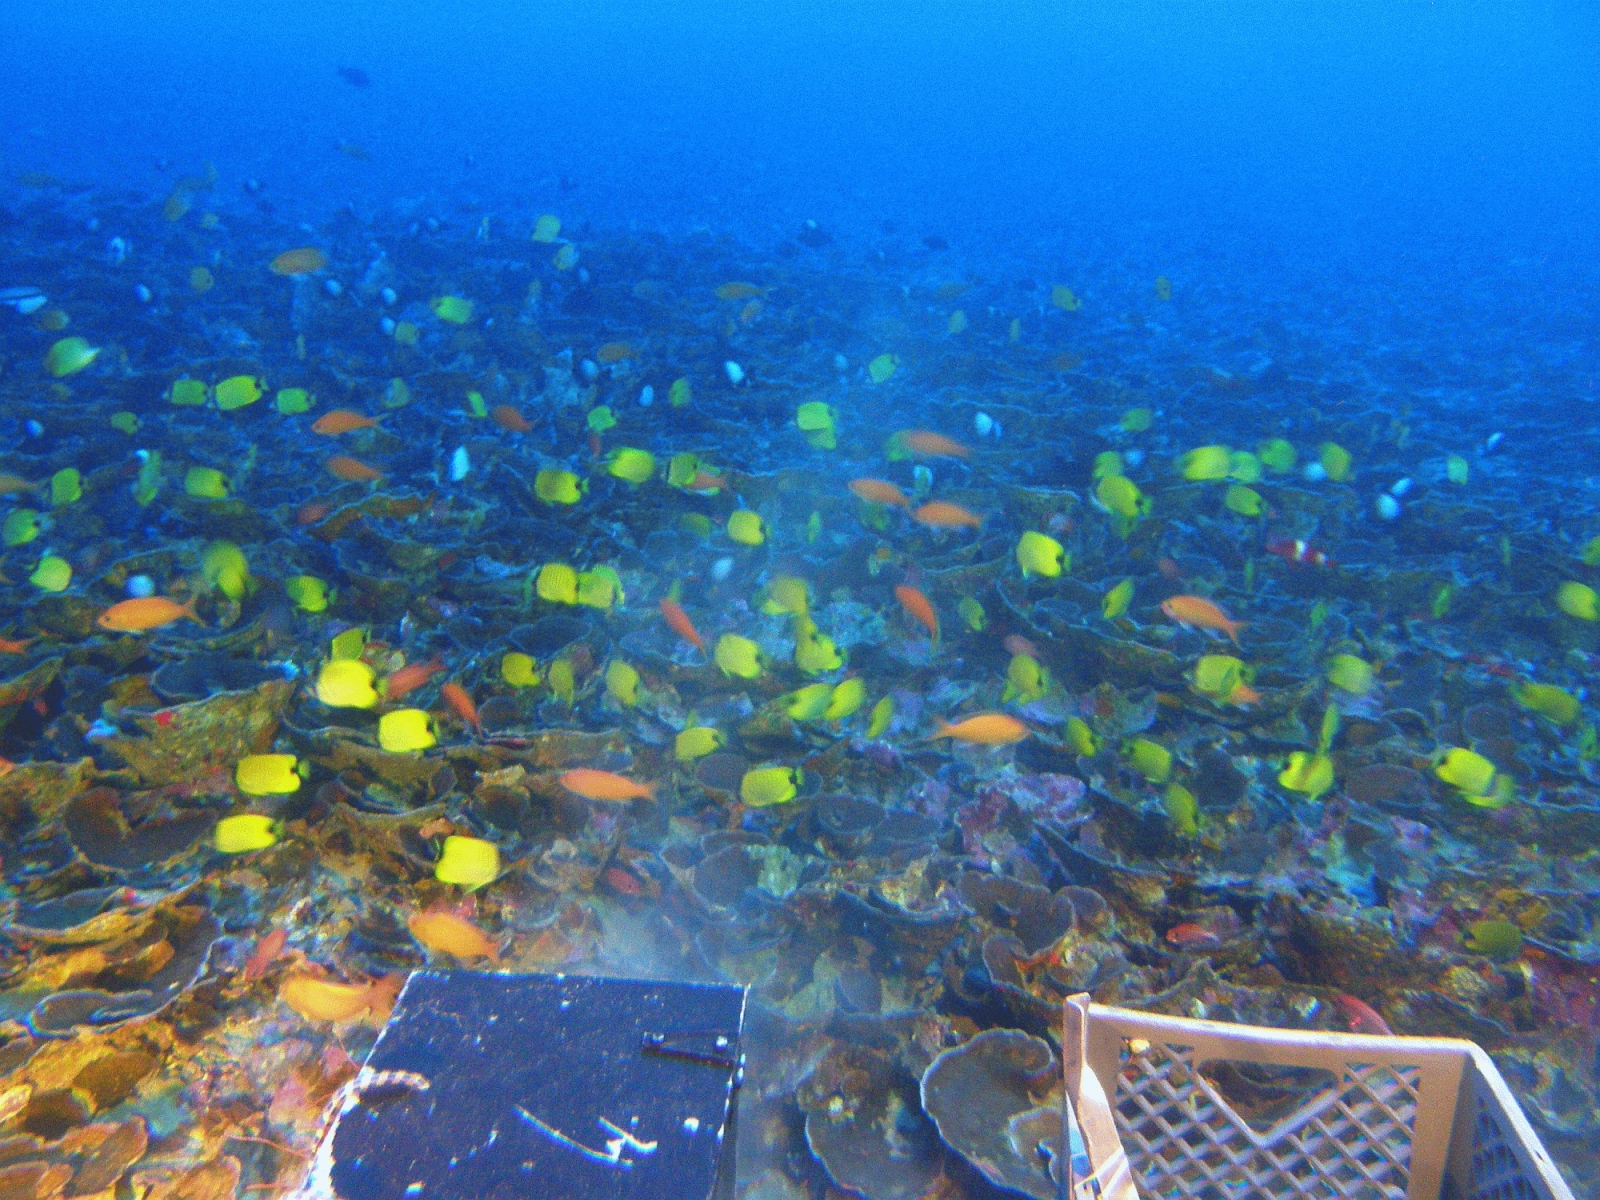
<point>24,300</point>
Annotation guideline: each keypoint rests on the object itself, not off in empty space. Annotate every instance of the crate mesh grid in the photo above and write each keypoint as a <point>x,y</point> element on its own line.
<point>1382,1118</point>
<point>1496,1170</point>
<point>1353,1140</point>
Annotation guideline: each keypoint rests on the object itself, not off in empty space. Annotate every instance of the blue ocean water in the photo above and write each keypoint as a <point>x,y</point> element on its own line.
<point>1314,132</point>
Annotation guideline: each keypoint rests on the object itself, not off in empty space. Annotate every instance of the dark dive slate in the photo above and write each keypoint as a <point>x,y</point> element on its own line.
<point>552,1086</point>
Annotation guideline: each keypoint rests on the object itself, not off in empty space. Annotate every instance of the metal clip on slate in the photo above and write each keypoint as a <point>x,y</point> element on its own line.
<point>713,1049</point>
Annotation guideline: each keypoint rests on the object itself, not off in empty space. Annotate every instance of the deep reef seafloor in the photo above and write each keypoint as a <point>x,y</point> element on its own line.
<point>439,507</point>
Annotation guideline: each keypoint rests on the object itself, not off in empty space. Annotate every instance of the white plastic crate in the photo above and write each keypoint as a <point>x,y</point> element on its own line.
<point>1345,1116</point>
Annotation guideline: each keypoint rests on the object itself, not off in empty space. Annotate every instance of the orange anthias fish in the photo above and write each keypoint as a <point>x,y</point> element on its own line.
<point>679,622</point>
<point>879,491</point>
<point>985,729</point>
<point>445,933</point>
<point>351,470</point>
<point>1361,1016</point>
<point>613,352</point>
<point>311,512</point>
<point>11,484</point>
<point>460,703</point>
<point>342,420</point>
<point>917,605</point>
<point>509,419</point>
<point>1243,695</point>
<point>1196,612</point>
<point>145,614</point>
<point>301,261</point>
<point>1189,936</point>
<point>267,949</point>
<point>605,785</point>
<point>410,677</point>
<point>16,645</point>
<point>1015,643</point>
<point>324,1000</point>
<point>623,881</point>
<point>940,514</point>
<point>704,481</point>
<point>932,445</point>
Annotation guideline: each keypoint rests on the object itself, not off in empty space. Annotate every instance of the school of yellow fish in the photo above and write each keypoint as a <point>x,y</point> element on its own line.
<point>488,634</point>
